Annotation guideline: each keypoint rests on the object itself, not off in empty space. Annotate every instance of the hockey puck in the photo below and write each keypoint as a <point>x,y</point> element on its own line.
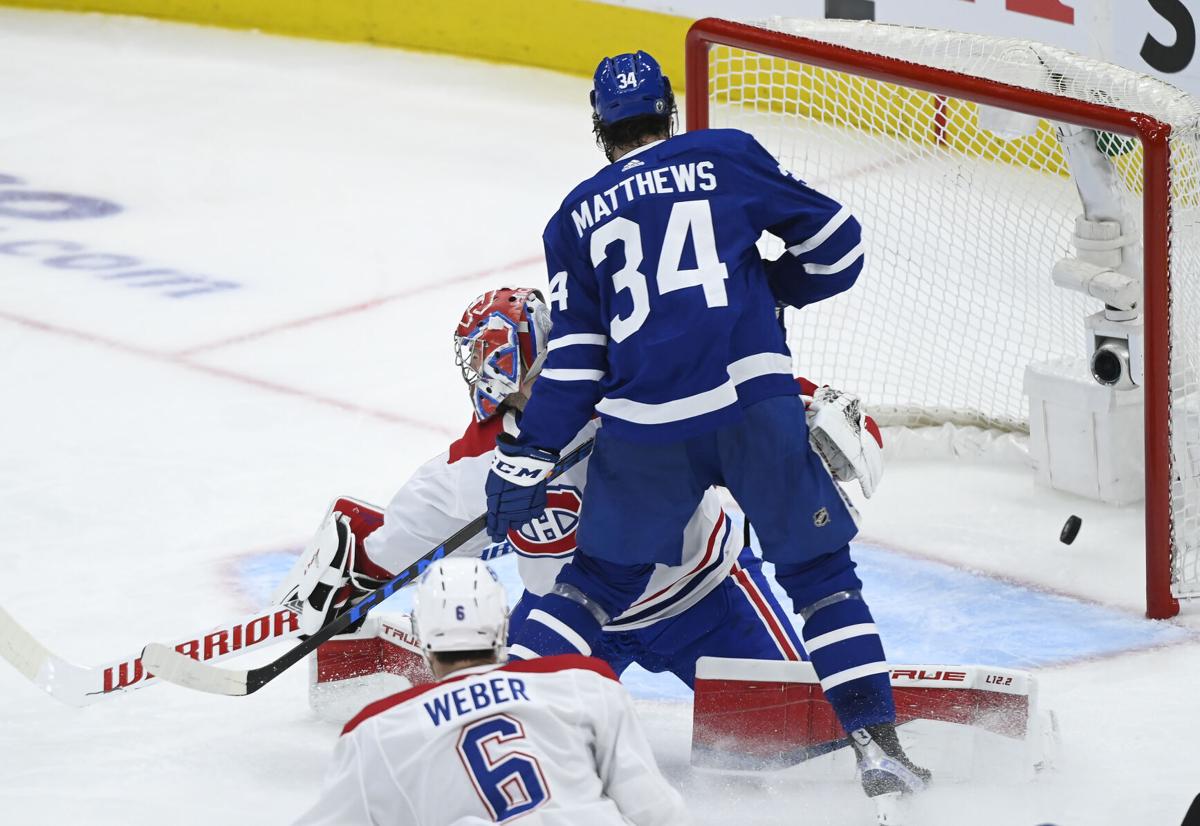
<point>1070,530</point>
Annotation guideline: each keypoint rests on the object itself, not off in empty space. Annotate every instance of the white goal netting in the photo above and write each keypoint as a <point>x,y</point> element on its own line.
<point>963,226</point>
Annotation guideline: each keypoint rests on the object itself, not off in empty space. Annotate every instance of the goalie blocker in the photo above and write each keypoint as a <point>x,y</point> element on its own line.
<point>380,657</point>
<point>756,715</point>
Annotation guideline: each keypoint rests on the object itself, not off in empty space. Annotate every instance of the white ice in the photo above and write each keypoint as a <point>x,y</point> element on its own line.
<point>154,446</point>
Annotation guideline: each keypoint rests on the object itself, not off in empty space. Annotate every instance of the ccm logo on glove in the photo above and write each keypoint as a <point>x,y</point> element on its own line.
<point>528,472</point>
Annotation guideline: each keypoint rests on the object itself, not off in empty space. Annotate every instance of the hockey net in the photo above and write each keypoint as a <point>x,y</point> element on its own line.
<point>963,225</point>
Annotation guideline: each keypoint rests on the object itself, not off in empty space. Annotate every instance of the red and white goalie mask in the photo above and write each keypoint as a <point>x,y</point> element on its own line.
<point>499,344</point>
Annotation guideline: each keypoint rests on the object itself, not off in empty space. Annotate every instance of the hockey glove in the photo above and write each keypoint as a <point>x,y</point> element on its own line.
<point>327,577</point>
<point>516,486</point>
<point>847,439</point>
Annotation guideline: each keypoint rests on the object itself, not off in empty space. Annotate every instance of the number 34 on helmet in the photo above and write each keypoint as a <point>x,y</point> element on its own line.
<point>499,345</point>
<point>630,85</point>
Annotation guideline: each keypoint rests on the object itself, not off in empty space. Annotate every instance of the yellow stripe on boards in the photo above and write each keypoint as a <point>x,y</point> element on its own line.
<point>565,35</point>
<point>572,35</point>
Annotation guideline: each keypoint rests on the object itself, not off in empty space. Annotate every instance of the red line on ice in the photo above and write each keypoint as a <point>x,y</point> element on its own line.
<point>220,372</point>
<point>362,306</point>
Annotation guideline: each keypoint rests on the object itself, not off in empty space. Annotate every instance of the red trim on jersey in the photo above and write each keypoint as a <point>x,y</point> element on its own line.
<point>712,541</point>
<point>560,662</point>
<point>542,665</point>
<point>750,589</point>
<point>479,438</point>
<point>380,706</point>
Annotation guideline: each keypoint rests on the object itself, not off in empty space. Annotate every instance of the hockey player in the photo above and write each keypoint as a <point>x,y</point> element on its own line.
<point>715,602</point>
<point>557,737</point>
<point>664,323</point>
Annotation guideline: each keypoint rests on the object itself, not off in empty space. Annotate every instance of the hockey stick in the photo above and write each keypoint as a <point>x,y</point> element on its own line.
<point>81,685</point>
<point>181,669</point>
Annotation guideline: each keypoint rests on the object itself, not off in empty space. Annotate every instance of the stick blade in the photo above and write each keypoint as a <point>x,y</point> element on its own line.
<point>168,664</point>
<point>72,684</point>
<point>19,647</point>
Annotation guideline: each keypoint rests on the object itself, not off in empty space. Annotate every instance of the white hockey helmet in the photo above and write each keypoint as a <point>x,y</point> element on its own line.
<point>459,605</point>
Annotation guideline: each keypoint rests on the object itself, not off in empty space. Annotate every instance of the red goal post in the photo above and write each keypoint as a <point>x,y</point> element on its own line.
<point>704,91</point>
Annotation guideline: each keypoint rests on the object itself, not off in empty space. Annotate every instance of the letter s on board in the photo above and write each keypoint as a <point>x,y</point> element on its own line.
<point>1176,57</point>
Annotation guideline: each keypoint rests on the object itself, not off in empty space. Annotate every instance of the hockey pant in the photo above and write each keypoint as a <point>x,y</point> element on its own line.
<point>639,498</point>
<point>738,618</point>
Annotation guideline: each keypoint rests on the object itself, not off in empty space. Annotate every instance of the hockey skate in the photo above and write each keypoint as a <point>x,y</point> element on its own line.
<point>885,770</point>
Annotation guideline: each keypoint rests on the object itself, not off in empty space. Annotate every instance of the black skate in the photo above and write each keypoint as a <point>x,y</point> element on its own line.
<point>885,770</point>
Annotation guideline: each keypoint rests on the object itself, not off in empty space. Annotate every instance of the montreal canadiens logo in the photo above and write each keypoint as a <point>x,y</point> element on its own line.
<point>554,533</point>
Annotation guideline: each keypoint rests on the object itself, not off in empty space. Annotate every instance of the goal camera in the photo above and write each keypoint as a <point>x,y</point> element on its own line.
<point>1116,351</point>
<point>1110,364</point>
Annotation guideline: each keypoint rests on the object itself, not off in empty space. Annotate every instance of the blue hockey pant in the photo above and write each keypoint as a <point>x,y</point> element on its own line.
<point>640,497</point>
<point>738,618</point>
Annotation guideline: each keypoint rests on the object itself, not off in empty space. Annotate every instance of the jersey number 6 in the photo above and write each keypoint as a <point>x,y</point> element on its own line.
<point>687,217</point>
<point>508,781</point>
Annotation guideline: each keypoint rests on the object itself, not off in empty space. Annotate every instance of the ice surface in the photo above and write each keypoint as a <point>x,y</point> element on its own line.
<point>163,453</point>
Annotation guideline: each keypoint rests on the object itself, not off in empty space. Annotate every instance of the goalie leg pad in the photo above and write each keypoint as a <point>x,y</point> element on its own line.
<point>385,644</point>
<point>351,670</point>
<point>751,714</point>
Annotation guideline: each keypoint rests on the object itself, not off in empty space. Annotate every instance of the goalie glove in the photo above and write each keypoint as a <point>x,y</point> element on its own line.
<point>325,578</point>
<point>846,438</point>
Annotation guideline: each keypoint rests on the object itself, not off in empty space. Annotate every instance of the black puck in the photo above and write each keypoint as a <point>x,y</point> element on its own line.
<point>1070,529</point>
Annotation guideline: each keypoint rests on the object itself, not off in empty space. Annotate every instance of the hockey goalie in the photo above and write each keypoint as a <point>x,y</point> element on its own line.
<point>712,620</point>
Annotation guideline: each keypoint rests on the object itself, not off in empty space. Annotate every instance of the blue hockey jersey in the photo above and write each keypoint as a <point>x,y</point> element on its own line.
<point>663,310</point>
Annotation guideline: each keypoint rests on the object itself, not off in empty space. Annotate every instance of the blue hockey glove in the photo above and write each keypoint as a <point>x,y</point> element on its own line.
<point>516,486</point>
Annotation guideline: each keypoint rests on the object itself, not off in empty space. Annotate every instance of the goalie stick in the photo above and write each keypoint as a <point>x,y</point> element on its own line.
<point>82,685</point>
<point>179,668</point>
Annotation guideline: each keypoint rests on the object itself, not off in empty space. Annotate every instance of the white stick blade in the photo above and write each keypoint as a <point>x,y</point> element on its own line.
<point>19,647</point>
<point>168,664</point>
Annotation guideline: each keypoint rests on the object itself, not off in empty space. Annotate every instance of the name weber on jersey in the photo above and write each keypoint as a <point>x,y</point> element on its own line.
<point>497,691</point>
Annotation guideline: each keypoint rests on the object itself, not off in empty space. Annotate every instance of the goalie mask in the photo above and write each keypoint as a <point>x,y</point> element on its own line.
<point>499,345</point>
<point>459,605</point>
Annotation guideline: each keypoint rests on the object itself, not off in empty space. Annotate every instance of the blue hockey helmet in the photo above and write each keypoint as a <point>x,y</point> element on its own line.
<point>629,85</point>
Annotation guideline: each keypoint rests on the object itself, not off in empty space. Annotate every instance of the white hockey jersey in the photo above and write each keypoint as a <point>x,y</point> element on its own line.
<point>553,741</point>
<point>447,492</point>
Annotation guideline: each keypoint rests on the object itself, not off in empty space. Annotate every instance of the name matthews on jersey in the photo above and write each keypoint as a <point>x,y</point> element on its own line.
<point>686,177</point>
<point>465,699</point>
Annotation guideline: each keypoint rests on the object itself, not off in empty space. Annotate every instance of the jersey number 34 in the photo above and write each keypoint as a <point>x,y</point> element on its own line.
<point>509,781</point>
<point>687,218</point>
